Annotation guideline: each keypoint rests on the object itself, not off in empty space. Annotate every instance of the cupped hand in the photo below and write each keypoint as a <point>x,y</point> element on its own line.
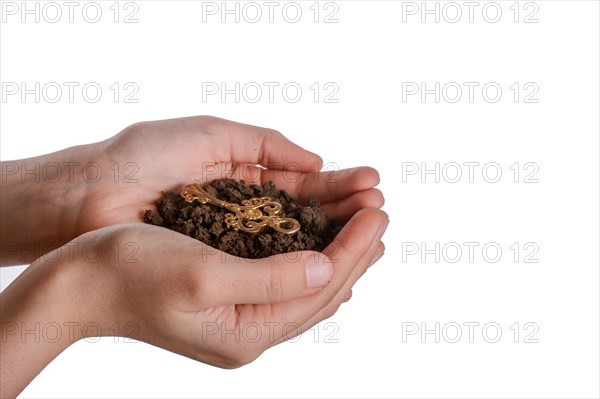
<point>178,293</point>
<point>87,187</point>
<point>150,157</point>
<point>174,292</point>
<point>191,299</point>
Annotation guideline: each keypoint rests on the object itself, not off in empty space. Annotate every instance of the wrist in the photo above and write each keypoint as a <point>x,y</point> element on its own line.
<point>91,270</point>
<point>38,315</point>
<point>39,202</point>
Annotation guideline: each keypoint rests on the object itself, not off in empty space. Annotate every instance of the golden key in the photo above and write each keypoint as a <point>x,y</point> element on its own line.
<point>247,217</point>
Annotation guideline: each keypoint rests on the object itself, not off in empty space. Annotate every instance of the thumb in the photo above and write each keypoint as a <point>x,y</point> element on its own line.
<point>275,279</point>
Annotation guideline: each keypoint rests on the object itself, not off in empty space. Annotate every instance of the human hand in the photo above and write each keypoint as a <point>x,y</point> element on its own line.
<point>178,294</point>
<point>132,168</point>
<point>171,153</point>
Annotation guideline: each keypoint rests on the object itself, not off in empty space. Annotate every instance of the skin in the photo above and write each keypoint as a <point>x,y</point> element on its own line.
<point>159,286</point>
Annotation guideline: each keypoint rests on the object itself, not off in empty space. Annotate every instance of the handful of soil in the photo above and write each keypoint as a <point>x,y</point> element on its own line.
<point>206,222</point>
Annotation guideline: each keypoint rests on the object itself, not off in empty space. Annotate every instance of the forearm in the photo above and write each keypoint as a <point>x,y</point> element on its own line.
<point>37,319</point>
<point>38,198</point>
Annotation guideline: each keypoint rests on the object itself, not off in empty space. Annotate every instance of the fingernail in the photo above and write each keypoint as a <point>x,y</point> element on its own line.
<point>318,271</point>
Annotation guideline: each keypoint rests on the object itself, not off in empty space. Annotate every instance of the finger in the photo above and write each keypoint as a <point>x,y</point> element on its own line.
<point>325,186</point>
<point>380,252</point>
<point>258,145</point>
<point>358,240</point>
<point>343,210</point>
<point>369,260</point>
<point>341,297</point>
<point>348,296</point>
<point>231,280</point>
<point>330,186</point>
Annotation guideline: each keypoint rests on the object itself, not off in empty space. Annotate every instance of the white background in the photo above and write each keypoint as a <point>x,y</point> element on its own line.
<point>368,54</point>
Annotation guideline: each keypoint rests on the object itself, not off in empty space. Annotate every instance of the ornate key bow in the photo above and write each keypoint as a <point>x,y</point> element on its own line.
<point>248,216</point>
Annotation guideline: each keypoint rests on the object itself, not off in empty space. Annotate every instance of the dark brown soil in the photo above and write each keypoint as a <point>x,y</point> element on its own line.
<point>207,222</point>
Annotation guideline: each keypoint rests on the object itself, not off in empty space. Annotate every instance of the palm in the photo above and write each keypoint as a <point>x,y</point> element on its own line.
<point>165,155</point>
<point>230,329</point>
<point>225,311</point>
